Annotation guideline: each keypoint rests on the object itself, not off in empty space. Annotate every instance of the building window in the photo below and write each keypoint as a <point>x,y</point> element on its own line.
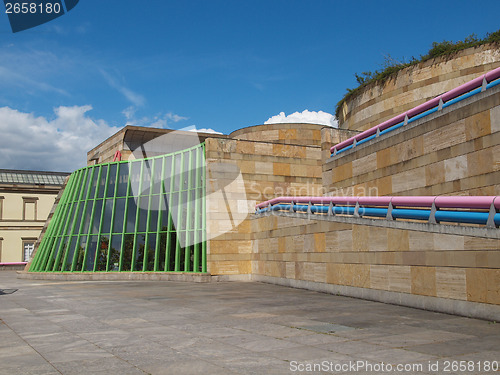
<point>30,208</point>
<point>1,208</point>
<point>1,240</point>
<point>28,247</point>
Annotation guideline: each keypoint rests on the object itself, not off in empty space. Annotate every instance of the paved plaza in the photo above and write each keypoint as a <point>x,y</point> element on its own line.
<point>142,327</point>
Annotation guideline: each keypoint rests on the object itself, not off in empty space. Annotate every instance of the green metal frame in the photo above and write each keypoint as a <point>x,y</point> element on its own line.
<point>76,239</point>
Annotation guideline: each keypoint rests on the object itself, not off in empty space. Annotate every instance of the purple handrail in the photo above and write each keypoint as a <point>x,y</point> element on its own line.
<point>477,202</point>
<point>452,94</point>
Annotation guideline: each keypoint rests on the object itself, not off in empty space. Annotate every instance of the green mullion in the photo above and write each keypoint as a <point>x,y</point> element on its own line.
<point>80,197</point>
<point>83,182</point>
<point>92,215</point>
<point>68,217</point>
<point>187,251</point>
<point>125,213</point>
<point>108,172</point>
<point>47,240</point>
<point>146,240</point>
<point>204,222</point>
<point>159,223</point>
<point>137,214</point>
<point>179,216</point>
<point>59,227</point>
<point>112,215</point>
<point>169,225</point>
<point>196,258</point>
<point>84,211</point>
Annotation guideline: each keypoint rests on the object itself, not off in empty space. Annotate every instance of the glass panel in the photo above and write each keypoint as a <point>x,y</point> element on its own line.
<point>63,253</point>
<point>131,212</point>
<point>78,218</point>
<point>114,254</point>
<point>139,251</point>
<point>162,251</point>
<point>153,213</point>
<point>143,214</point>
<point>150,253</point>
<point>102,182</point>
<point>71,218</point>
<point>87,217</point>
<point>71,251</point>
<point>184,208</point>
<point>128,246</point>
<point>146,176</point>
<point>94,183</point>
<point>164,213</point>
<point>185,169</point>
<point>177,172</point>
<point>172,248</point>
<point>122,179</point>
<point>157,176</point>
<point>106,220</point>
<point>87,178</point>
<point>97,216</point>
<point>173,205</point>
<point>119,214</point>
<point>80,253</point>
<point>135,177</point>
<point>102,253</point>
<point>111,181</point>
<point>168,174</point>
<point>91,250</point>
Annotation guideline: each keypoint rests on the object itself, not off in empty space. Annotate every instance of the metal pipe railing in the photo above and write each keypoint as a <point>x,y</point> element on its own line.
<point>432,209</point>
<point>13,263</point>
<point>455,95</point>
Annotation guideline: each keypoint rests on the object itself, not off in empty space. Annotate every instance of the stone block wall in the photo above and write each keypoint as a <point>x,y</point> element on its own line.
<point>453,151</point>
<point>451,267</point>
<point>293,133</point>
<point>241,173</point>
<point>415,85</point>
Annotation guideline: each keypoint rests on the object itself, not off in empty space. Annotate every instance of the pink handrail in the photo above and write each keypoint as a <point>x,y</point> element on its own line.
<point>13,263</point>
<point>452,94</point>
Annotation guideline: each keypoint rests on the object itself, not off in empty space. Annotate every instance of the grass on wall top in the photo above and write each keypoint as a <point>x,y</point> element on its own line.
<point>391,66</point>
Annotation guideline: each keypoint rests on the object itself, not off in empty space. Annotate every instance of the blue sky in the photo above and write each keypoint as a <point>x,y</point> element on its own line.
<point>224,65</point>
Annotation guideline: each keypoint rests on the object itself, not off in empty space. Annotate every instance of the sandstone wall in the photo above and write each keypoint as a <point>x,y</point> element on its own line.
<point>402,261</point>
<point>241,173</point>
<point>415,85</point>
<point>453,151</point>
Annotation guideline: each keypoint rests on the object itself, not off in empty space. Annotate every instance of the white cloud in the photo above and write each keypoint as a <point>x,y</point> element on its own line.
<point>205,130</point>
<point>58,144</point>
<point>309,117</point>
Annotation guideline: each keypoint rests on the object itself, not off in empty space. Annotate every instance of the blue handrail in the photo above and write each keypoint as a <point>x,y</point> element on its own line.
<point>464,217</point>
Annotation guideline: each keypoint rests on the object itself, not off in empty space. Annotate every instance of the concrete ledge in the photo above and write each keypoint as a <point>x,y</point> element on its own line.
<point>117,276</point>
<point>222,278</point>
<point>449,306</point>
<point>12,267</point>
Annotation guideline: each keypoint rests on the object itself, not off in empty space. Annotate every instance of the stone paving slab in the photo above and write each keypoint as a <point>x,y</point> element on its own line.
<point>166,327</point>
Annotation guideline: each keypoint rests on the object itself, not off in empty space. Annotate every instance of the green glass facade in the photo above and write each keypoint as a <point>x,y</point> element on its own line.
<point>142,215</point>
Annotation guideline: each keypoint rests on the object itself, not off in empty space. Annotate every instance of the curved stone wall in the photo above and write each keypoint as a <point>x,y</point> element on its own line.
<point>415,85</point>
<point>296,134</point>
